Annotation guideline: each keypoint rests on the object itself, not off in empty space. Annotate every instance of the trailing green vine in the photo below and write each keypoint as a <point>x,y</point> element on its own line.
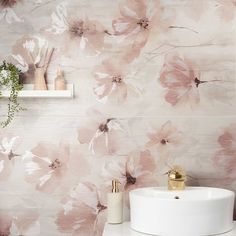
<point>9,79</point>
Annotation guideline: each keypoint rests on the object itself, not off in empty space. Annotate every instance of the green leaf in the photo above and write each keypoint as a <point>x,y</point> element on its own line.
<point>9,78</point>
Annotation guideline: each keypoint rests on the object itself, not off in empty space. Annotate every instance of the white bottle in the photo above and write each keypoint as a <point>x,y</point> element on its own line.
<point>115,204</point>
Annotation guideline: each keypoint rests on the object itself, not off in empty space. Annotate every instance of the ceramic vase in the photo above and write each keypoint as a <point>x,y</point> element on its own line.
<point>39,79</point>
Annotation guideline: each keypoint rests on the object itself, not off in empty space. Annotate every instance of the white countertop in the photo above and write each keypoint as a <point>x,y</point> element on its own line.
<point>124,230</point>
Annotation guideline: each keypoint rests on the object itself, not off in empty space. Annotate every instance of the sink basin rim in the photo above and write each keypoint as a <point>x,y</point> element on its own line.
<point>163,189</point>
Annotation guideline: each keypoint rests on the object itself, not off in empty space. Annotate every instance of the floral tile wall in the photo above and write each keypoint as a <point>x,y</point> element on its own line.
<point>155,86</point>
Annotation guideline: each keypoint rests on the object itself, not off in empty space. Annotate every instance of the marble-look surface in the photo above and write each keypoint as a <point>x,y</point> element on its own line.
<point>125,230</point>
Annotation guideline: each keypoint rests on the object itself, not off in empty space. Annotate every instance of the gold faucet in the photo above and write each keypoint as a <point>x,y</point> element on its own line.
<point>176,178</point>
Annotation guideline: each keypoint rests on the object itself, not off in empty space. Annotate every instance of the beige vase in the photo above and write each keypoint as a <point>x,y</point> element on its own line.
<point>39,79</point>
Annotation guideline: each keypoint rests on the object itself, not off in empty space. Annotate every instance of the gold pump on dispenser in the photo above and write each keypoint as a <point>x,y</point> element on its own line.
<point>176,178</point>
<point>115,186</point>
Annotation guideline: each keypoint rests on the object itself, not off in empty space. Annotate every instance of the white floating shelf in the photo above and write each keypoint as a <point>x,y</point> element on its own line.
<point>29,92</point>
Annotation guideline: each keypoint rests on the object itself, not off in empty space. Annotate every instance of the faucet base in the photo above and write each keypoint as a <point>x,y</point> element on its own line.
<point>176,185</point>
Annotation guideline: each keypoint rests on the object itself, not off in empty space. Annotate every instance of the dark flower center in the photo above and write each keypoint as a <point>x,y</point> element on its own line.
<point>198,82</point>
<point>164,141</point>
<point>100,207</point>
<point>77,28</point>
<point>117,79</point>
<point>104,127</point>
<point>130,179</point>
<point>143,23</point>
<point>10,156</point>
<point>55,164</point>
<point>8,3</point>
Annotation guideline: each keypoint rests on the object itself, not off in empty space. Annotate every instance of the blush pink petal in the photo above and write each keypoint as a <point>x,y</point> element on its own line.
<point>178,77</point>
<point>24,220</point>
<point>5,224</point>
<point>138,166</point>
<point>228,138</point>
<point>101,134</point>
<point>135,22</point>
<point>146,161</point>
<point>168,133</point>
<point>225,159</point>
<point>226,9</point>
<point>9,3</point>
<point>79,34</point>
<point>48,166</point>
<point>112,80</point>
<point>82,214</point>
<point>106,143</point>
<point>79,221</point>
<point>133,8</point>
<point>85,134</point>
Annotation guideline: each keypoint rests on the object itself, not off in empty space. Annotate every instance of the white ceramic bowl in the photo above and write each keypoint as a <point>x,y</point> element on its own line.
<point>195,211</point>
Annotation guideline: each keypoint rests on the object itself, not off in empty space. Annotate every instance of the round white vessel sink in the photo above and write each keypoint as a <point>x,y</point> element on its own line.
<point>195,211</point>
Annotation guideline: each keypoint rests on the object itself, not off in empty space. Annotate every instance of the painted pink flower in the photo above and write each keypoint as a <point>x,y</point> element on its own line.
<point>137,18</point>
<point>5,224</point>
<point>24,223</point>
<point>9,3</point>
<point>194,9</point>
<point>17,216</point>
<point>46,166</point>
<point>167,136</point>
<point>75,33</point>
<point>6,11</point>
<point>113,81</point>
<point>225,158</point>
<point>226,9</point>
<point>180,80</point>
<point>134,171</point>
<point>83,212</point>
<point>101,133</point>
<point>7,156</point>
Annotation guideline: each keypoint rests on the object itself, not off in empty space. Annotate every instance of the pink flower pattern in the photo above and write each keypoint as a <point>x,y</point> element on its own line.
<point>83,34</point>
<point>101,133</point>
<point>226,9</point>
<point>137,18</point>
<point>6,11</point>
<point>134,171</point>
<point>225,158</point>
<point>113,81</point>
<point>19,223</point>
<point>46,166</point>
<point>83,211</point>
<point>181,81</point>
<point>167,135</point>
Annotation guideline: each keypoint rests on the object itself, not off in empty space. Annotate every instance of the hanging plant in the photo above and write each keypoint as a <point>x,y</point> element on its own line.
<point>9,79</point>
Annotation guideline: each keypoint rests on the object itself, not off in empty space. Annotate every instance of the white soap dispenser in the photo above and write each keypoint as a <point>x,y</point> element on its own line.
<point>115,204</point>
